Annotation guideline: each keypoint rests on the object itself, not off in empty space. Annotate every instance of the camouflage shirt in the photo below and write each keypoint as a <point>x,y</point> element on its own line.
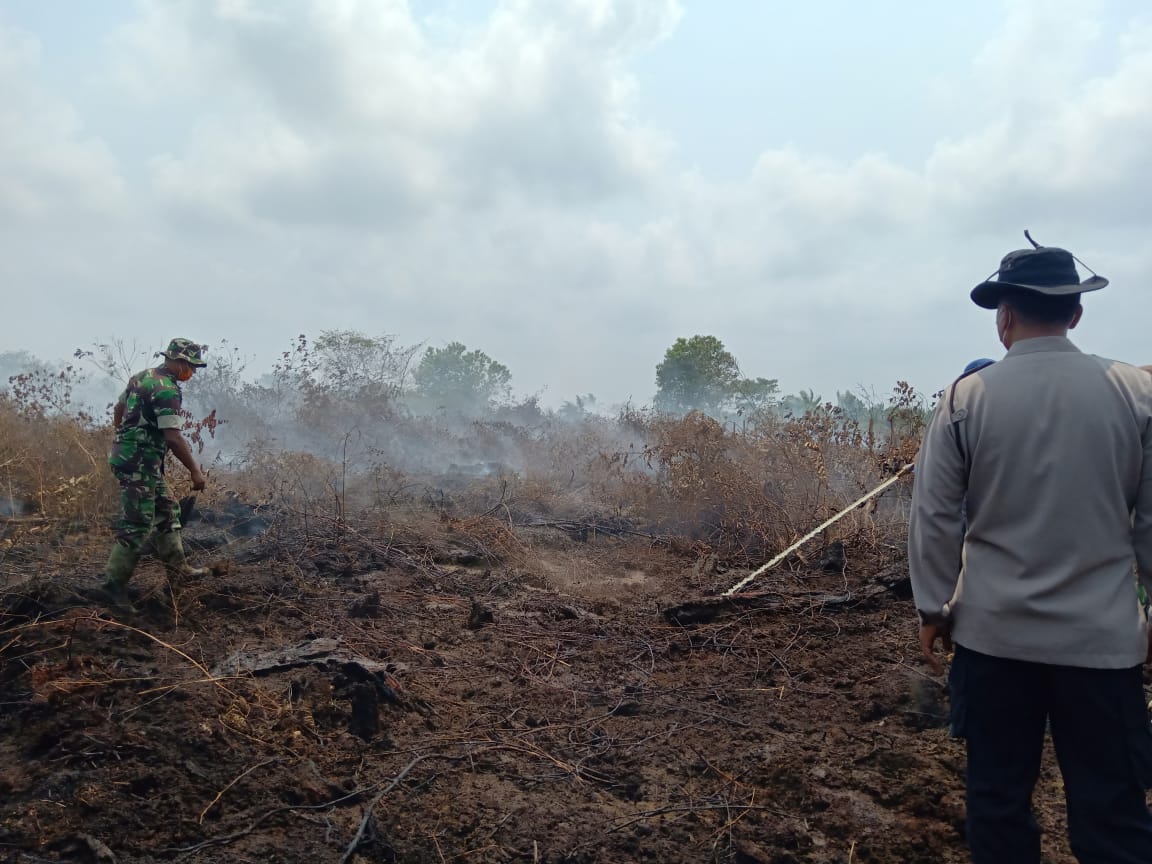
<point>150,404</point>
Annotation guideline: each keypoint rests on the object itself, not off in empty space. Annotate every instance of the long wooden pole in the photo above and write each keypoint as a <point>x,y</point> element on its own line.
<point>818,529</point>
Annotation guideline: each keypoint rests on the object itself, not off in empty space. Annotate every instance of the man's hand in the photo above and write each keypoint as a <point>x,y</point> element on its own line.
<point>929,633</point>
<point>183,453</point>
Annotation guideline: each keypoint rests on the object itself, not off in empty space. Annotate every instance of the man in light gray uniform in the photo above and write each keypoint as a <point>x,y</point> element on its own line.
<point>1053,450</point>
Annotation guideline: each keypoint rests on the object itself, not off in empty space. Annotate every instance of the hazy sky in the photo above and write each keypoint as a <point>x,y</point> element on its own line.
<point>570,185</point>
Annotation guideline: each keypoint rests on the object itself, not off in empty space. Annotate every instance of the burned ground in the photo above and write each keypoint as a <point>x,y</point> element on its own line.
<point>477,690</point>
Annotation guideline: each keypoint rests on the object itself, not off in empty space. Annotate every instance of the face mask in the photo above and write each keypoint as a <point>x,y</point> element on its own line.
<point>185,373</point>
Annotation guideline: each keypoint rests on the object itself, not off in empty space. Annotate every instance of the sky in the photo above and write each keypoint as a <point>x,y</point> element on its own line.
<point>571,185</point>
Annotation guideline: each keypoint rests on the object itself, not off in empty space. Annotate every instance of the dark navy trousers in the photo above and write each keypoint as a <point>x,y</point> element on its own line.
<point>1100,730</point>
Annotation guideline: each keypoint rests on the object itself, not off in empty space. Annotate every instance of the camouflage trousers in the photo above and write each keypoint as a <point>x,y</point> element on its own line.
<point>145,503</point>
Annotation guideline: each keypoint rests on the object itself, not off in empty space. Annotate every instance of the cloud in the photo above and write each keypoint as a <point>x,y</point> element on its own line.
<point>346,163</point>
<point>354,115</point>
<point>349,113</point>
<point>1073,146</point>
<point>52,172</point>
<point>1041,49</point>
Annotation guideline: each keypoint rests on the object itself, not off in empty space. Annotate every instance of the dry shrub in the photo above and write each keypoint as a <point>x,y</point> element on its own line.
<point>286,479</point>
<point>53,466</point>
<point>490,537</point>
<point>749,493</point>
<point>742,490</point>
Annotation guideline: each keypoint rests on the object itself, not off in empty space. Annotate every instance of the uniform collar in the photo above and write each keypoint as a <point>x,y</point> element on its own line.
<point>164,375</point>
<point>1041,344</point>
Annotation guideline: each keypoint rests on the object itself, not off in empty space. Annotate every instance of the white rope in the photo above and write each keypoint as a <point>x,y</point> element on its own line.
<point>818,529</point>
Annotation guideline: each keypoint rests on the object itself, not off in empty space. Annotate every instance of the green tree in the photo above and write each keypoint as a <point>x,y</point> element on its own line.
<point>349,363</point>
<point>342,380</point>
<point>804,402</point>
<point>577,409</point>
<point>752,396</point>
<point>864,408</point>
<point>700,373</point>
<point>696,373</point>
<point>852,405</point>
<point>461,380</point>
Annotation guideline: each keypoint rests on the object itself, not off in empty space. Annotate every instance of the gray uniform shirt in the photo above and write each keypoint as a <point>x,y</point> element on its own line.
<point>1056,467</point>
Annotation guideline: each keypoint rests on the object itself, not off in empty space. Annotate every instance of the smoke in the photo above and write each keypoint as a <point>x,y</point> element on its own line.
<point>355,402</point>
<point>347,403</point>
<point>363,435</point>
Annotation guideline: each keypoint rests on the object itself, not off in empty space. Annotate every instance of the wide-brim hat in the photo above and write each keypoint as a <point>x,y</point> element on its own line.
<point>187,350</point>
<point>1045,270</point>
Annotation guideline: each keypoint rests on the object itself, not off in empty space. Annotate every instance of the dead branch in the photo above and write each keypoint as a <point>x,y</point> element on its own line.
<point>110,622</point>
<point>224,839</point>
<point>368,811</point>
<point>697,808</point>
<point>708,609</point>
<point>500,503</point>
<point>233,782</point>
<point>584,528</point>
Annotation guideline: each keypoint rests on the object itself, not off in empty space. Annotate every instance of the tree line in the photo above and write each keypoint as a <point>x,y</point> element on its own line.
<point>697,373</point>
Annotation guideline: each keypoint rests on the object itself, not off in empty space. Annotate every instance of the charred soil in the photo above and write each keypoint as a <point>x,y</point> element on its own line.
<point>361,695</point>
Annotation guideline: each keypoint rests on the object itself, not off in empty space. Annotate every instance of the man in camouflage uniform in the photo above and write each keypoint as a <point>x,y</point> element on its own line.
<point>147,421</point>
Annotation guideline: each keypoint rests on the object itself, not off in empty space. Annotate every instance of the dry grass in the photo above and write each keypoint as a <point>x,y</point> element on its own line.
<point>737,493</point>
<point>52,467</point>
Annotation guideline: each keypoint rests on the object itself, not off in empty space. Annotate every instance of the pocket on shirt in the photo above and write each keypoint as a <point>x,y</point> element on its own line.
<point>958,695</point>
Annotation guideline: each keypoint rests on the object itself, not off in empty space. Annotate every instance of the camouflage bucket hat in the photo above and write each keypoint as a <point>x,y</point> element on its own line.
<point>185,349</point>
